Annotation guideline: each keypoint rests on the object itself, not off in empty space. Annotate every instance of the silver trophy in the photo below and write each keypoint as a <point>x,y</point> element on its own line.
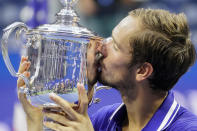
<point>57,53</point>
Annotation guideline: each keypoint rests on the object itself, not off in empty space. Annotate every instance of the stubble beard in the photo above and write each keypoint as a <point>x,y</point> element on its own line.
<point>126,87</point>
<point>122,86</point>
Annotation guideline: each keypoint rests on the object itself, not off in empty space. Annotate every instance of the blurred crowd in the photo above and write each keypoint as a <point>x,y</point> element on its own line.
<point>99,15</point>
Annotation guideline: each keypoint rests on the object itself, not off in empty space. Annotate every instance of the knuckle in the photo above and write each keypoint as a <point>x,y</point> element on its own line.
<point>20,82</point>
<point>75,127</point>
<point>59,128</point>
<point>59,118</point>
<point>56,126</point>
<point>24,64</point>
<point>26,73</point>
<point>85,102</point>
<point>67,108</point>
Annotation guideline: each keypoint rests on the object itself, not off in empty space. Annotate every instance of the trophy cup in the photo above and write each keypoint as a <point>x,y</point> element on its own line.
<point>57,53</point>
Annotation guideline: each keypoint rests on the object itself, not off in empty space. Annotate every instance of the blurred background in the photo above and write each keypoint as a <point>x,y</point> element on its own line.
<point>99,16</point>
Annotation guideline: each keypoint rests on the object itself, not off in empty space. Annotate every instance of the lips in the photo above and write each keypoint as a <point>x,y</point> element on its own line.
<point>101,53</point>
<point>100,66</point>
<point>98,58</point>
<point>101,49</point>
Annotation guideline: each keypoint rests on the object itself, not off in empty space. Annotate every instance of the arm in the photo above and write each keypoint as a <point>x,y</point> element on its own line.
<point>34,115</point>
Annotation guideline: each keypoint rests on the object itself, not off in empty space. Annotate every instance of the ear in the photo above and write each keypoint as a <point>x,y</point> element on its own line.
<point>144,71</point>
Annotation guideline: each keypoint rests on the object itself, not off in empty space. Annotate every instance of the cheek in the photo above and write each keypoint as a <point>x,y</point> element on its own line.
<point>117,61</point>
<point>117,67</point>
<point>116,76</point>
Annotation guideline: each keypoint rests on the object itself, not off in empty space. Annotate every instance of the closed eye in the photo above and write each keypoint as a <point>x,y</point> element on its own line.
<point>115,46</point>
<point>114,43</point>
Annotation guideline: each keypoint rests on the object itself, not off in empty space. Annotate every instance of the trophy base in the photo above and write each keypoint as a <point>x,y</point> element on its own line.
<point>44,99</point>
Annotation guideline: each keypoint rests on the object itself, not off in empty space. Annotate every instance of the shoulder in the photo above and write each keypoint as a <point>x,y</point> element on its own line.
<point>184,121</point>
<point>100,119</point>
<point>105,112</point>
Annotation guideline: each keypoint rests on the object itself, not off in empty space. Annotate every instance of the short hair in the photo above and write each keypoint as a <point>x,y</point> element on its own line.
<point>165,43</point>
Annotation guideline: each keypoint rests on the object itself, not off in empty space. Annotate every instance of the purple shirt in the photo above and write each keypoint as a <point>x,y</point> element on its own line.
<point>169,117</point>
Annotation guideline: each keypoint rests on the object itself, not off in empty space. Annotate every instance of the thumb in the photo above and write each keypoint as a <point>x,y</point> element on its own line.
<point>83,99</point>
<point>23,99</point>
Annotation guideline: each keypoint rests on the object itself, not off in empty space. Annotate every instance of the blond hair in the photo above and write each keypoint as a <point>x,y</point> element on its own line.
<point>164,41</point>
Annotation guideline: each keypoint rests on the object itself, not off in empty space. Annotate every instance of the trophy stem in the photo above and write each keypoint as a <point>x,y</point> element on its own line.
<point>67,15</point>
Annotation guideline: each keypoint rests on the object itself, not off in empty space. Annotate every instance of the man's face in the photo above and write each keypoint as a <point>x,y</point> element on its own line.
<point>117,54</point>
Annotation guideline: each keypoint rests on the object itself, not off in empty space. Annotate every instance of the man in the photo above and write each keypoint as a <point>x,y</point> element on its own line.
<point>148,52</point>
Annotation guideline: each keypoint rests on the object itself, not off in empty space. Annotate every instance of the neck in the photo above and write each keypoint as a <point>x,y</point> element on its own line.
<point>141,106</point>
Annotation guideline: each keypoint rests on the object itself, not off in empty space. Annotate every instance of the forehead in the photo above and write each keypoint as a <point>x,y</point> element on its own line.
<point>125,29</point>
<point>127,26</point>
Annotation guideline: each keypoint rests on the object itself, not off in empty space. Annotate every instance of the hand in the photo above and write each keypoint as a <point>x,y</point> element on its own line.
<point>34,115</point>
<point>72,119</point>
<point>92,64</point>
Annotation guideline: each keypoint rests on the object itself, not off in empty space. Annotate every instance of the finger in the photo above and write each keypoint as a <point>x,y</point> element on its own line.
<point>24,66</point>
<point>92,61</point>
<point>56,126</point>
<point>83,99</point>
<point>20,81</point>
<point>23,99</point>
<point>92,46</point>
<point>90,93</point>
<point>28,107</point>
<point>23,58</point>
<point>56,110</point>
<point>52,108</point>
<point>66,107</point>
<point>79,97</point>
<point>59,118</point>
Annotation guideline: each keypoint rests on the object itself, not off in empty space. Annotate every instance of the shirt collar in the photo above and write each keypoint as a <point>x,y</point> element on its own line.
<point>160,120</point>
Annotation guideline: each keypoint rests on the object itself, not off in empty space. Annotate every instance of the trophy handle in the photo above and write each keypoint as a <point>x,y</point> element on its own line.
<point>19,27</point>
<point>96,89</point>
